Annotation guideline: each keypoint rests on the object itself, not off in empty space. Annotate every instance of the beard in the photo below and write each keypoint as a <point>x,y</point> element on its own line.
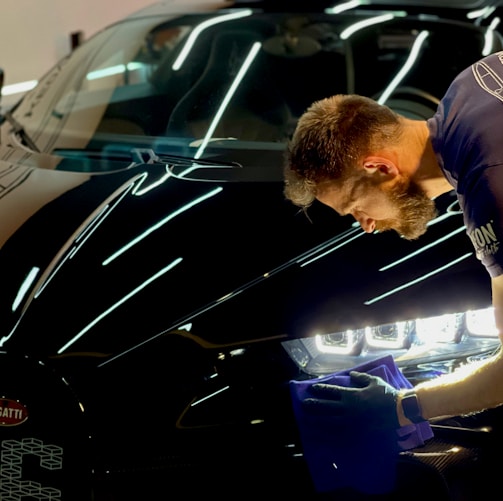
<point>415,210</point>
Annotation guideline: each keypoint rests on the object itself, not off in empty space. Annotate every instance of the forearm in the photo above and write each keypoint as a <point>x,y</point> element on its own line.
<point>472,388</point>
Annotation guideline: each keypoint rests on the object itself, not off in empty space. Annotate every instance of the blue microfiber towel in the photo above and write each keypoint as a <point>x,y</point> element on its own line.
<point>353,456</point>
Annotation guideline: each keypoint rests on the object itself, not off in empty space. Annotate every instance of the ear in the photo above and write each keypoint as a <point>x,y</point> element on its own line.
<point>381,165</point>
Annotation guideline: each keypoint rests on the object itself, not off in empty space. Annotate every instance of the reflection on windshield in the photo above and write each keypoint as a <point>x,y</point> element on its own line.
<point>239,76</point>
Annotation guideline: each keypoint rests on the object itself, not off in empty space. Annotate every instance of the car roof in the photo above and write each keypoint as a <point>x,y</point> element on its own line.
<point>196,5</point>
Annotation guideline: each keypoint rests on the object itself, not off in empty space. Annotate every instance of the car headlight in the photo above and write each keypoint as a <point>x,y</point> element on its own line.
<point>481,322</point>
<point>340,343</point>
<point>443,328</point>
<point>440,341</point>
<point>395,335</point>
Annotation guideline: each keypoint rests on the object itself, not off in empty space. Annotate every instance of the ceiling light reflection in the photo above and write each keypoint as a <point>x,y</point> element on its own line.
<point>228,96</point>
<point>211,395</point>
<point>418,280</point>
<point>332,249</point>
<point>409,63</point>
<point>350,30</point>
<point>82,235</point>
<point>422,249</point>
<point>139,192</point>
<point>200,28</point>
<point>352,4</point>
<point>25,286</point>
<point>482,13</point>
<point>113,70</point>
<point>18,88</point>
<point>161,223</point>
<point>112,308</point>
<point>489,37</point>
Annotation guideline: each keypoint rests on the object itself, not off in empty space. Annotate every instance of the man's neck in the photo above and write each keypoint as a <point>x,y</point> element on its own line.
<point>428,173</point>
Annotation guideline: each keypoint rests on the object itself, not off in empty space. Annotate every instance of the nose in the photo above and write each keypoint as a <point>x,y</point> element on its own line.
<point>367,223</point>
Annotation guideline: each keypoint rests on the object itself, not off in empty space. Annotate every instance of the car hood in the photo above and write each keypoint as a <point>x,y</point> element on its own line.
<point>104,250</point>
<point>103,263</point>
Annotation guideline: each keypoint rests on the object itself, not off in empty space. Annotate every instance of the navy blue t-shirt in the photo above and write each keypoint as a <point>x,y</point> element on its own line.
<point>467,137</point>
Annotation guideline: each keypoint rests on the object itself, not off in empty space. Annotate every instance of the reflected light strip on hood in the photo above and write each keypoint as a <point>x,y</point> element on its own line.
<point>417,280</point>
<point>120,302</point>
<point>138,193</point>
<point>25,286</point>
<point>71,251</point>
<point>332,249</point>
<point>161,223</point>
<point>83,235</point>
<point>422,249</point>
<point>211,395</point>
<point>183,322</point>
<point>84,232</point>
<point>200,28</point>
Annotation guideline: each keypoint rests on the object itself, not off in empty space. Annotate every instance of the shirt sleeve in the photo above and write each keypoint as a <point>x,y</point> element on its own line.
<point>483,217</point>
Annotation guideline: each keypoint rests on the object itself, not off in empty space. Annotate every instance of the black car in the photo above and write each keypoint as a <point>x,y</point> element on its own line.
<point>159,294</point>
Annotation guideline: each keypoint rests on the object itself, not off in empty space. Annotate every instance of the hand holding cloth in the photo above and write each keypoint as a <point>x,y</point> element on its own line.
<point>349,428</point>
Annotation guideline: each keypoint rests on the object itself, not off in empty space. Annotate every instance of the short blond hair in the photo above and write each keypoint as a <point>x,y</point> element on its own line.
<point>329,139</point>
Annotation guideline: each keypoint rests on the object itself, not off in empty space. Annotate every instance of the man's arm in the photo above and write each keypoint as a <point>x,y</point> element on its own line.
<point>497,291</point>
<point>470,389</point>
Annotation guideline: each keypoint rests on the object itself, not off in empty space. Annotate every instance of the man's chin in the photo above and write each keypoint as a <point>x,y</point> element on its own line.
<point>415,210</point>
<point>413,235</point>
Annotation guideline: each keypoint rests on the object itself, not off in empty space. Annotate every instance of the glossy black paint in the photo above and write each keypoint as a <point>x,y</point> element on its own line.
<point>162,297</point>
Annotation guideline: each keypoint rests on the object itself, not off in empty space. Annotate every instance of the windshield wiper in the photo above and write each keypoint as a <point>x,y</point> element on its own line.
<point>148,155</point>
<point>182,161</point>
<point>18,129</point>
<point>142,156</point>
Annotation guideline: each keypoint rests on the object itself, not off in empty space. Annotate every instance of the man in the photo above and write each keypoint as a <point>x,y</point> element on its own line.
<point>361,158</point>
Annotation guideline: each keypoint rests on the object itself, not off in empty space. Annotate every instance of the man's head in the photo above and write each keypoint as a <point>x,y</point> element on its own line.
<point>346,152</point>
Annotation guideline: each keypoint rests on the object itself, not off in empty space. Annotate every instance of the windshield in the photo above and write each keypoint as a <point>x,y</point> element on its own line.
<point>191,83</point>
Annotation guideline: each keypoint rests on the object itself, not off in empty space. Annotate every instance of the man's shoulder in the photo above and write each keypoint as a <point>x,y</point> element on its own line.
<point>488,74</point>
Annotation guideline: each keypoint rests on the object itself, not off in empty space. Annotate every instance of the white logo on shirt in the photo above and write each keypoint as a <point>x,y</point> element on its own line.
<point>488,79</point>
<point>484,240</point>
